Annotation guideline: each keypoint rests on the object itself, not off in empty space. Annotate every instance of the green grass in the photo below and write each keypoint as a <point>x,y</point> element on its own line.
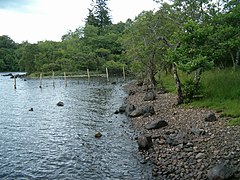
<point>221,92</point>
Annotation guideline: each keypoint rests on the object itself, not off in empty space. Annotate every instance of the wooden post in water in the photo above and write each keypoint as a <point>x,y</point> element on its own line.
<point>124,75</point>
<point>40,86</point>
<point>15,82</point>
<point>88,74</point>
<point>65,78</point>
<point>107,74</point>
<point>53,79</point>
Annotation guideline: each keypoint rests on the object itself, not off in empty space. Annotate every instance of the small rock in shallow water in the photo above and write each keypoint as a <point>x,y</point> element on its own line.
<point>60,103</point>
<point>98,135</point>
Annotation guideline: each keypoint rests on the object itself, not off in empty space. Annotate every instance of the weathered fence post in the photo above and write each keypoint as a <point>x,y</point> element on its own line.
<point>107,74</point>
<point>65,78</point>
<point>53,79</point>
<point>40,86</point>
<point>88,75</point>
<point>124,75</point>
<point>15,82</point>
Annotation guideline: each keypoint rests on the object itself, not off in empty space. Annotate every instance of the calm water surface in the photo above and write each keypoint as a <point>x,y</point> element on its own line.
<point>54,142</point>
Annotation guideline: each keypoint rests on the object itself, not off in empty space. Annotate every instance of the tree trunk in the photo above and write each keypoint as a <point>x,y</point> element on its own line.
<point>197,77</point>
<point>152,70</point>
<point>235,60</point>
<point>178,85</point>
<point>237,57</point>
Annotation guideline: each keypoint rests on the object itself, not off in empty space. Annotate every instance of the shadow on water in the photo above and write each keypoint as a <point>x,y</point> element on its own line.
<point>54,142</point>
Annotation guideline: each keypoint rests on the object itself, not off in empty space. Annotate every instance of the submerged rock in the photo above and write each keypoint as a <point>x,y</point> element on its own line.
<point>98,135</point>
<point>60,103</point>
<point>122,109</point>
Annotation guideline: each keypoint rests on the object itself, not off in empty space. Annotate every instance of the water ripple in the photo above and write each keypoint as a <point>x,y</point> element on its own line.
<point>53,142</point>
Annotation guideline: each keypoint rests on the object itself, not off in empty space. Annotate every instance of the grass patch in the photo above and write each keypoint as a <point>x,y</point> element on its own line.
<point>234,122</point>
<point>221,92</point>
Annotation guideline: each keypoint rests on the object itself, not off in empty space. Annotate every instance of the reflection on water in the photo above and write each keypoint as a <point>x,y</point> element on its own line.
<point>54,142</point>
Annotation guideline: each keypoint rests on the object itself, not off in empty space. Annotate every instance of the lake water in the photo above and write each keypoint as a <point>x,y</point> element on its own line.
<point>54,142</point>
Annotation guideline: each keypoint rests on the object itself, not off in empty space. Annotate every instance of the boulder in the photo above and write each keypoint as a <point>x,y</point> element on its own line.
<point>9,74</point>
<point>129,109</point>
<point>210,117</point>
<point>60,103</point>
<point>131,92</point>
<point>197,131</point>
<point>148,111</point>
<point>176,139</point>
<point>136,113</point>
<point>156,124</point>
<point>116,112</point>
<point>149,96</point>
<point>144,142</point>
<point>220,172</point>
<point>162,90</point>
<point>122,109</point>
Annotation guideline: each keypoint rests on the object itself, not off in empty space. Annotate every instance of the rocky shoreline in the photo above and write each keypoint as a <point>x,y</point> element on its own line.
<point>182,143</point>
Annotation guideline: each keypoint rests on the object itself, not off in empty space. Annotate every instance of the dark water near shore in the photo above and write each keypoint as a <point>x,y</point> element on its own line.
<point>54,142</point>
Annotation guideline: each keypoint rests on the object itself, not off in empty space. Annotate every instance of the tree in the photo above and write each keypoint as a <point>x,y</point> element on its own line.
<point>8,60</point>
<point>99,15</point>
<point>27,54</point>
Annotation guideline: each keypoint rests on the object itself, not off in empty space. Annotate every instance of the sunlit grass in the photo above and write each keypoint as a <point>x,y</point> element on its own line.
<point>221,92</point>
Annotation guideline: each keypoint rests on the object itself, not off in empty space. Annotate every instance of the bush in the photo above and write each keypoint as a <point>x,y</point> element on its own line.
<point>190,88</point>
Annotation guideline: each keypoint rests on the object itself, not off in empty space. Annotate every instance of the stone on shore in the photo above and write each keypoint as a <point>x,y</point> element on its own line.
<point>129,109</point>
<point>220,172</point>
<point>149,96</point>
<point>210,117</point>
<point>136,113</point>
<point>148,111</point>
<point>144,142</point>
<point>156,124</point>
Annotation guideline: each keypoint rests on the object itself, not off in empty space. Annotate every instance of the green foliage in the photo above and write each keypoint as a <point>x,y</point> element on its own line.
<point>8,59</point>
<point>99,16</point>
<point>221,91</point>
<point>190,89</point>
<point>114,67</point>
<point>234,122</point>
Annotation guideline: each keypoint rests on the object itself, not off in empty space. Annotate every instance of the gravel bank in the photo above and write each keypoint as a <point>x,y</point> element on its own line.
<point>198,145</point>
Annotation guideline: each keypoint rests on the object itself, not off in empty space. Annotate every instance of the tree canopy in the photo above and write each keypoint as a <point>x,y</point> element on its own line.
<point>191,36</point>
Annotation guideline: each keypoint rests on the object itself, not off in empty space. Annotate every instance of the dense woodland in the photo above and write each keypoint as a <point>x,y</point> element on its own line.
<point>182,35</point>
